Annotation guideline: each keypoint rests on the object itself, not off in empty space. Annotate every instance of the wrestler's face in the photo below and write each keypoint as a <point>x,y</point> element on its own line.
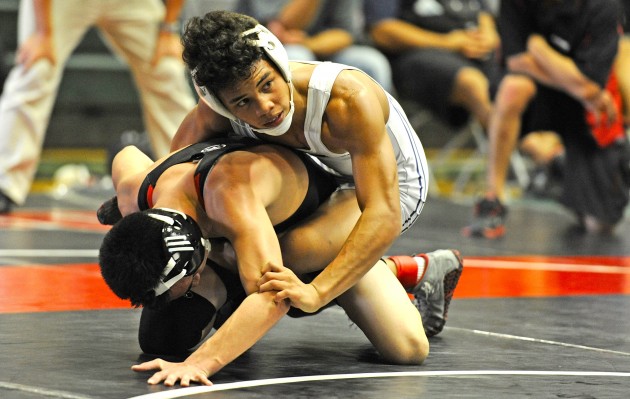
<point>262,101</point>
<point>187,283</point>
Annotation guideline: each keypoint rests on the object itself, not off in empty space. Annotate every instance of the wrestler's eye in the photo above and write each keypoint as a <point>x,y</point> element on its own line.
<point>242,103</point>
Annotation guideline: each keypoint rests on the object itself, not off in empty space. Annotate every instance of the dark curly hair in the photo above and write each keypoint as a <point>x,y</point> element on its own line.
<point>216,51</point>
<point>132,258</point>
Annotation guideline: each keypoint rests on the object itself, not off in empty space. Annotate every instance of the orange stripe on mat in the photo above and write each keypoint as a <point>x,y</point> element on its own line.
<point>538,276</point>
<point>52,219</point>
<point>69,287</point>
<point>55,288</point>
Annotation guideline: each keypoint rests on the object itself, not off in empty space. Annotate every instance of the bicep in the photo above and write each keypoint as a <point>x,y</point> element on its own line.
<point>242,218</point>
<point>362,123</point>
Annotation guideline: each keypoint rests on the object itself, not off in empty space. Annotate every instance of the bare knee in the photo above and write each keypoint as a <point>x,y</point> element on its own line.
<point>471,82</point>
<point>515,93</point>
<point>410,349</point>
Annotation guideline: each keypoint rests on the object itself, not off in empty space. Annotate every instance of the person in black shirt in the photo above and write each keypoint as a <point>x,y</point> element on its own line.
<point>559,56</point>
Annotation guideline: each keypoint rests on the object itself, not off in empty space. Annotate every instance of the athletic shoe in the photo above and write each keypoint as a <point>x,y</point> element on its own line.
<point>108,213</point>
<point>6,204</point>
<point>435,290</point>
<point>488,220</point>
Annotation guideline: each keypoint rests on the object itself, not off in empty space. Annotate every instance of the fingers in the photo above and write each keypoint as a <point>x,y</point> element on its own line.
<point>150,365</point>
<point>272,285</point>
<point>171,373</point>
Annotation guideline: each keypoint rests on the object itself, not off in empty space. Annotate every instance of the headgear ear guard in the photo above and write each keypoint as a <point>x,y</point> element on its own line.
<point>272,47</point>
<point>184,245</point>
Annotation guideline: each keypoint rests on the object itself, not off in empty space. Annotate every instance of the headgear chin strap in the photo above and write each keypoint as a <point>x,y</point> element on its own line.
<point>183,243</point>
<point>274,49</point>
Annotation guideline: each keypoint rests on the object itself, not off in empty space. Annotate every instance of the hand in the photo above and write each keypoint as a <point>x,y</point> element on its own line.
<point>172,372</point>
<point>35,48</point>
<point>289,286</point>
<point>603,109</point>
<point>168,45</point>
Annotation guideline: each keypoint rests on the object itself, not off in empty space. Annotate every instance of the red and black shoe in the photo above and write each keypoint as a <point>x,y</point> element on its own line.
<point>488,220</point>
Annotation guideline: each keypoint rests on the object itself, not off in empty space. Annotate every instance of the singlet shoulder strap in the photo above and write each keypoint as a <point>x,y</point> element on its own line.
<point>187,154</point>
<point>319,88</point>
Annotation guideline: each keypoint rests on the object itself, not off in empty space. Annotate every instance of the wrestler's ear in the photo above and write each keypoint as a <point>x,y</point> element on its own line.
<point>196,279</point>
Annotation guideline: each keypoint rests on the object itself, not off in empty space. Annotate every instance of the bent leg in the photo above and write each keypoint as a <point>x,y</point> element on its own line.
<point>380,307</point>
<point>471,90</point>
<point>314,243</point>
<point>515,93</point>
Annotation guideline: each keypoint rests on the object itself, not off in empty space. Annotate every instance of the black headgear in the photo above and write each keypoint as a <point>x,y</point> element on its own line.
<point>184,245</point>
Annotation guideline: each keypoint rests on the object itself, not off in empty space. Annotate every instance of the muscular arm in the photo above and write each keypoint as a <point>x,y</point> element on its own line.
<point>200,124</point>
<point>354,122</point>
<point>127,166</point>
<point>375,175</point>
<point>241,194</point>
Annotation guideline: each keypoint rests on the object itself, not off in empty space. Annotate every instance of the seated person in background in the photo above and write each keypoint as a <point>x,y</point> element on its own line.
<point>321,30</point>
<point>246,192</point>
<point>441,52</point>
<point>559,57</point>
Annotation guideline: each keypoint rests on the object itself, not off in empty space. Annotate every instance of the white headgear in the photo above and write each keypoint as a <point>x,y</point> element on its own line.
<point>277,54</point>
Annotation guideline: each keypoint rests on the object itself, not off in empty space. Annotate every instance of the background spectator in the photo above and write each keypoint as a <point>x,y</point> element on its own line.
<point>441,53</point>
<point>321,30</point>
<point>559,56</point>
<point>142,32</point>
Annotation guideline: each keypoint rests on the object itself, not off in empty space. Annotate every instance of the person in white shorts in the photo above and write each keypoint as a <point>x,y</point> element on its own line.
<point>144,33</point>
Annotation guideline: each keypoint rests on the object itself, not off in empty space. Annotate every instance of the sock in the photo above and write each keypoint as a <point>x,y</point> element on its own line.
<point>410,269</point>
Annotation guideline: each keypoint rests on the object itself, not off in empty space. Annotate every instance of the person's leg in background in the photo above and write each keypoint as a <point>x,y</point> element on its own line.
<point>29,95</point>
<point>132,27</point>
<point>514,95</point>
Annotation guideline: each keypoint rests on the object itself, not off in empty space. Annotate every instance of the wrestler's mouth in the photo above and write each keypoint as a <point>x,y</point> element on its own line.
<point>275,121</point>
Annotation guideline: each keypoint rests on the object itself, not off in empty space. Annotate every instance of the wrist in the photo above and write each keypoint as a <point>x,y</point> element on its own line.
<point>170,27</point>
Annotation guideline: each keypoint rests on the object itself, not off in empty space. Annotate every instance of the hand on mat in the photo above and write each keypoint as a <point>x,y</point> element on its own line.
<point>289,286</point>
<point>170,373</point>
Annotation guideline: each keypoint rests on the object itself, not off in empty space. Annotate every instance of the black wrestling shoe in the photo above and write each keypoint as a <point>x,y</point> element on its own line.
<point>108,213</point>
<point>488,220</point>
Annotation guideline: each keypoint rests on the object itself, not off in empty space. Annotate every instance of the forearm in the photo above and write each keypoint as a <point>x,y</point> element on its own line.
<point>298,14</point>
<point>173,10</point>
<point>395,35</point>
<point>251,321</point>
<point>367,243</point>
<point>562,71</point>
<point>329,42</point>
<point>43,16</point>
<point>525,64</point>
